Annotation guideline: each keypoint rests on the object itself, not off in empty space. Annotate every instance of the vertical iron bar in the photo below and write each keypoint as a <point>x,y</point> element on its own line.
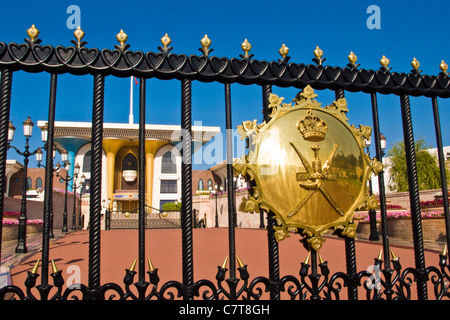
<point>96,183</point>
<point>186,190</point>
<point>414,199</point>
<point>142,211</point>
<point>48,198</point>
<point>350,253</point>
<point>381,186</point>
<point>5,102</point>
<point>441,158</point>
<point>273,252</point>
<point>231,209</point>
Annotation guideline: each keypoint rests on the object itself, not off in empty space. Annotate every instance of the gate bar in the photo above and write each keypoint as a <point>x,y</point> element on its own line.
<point>414,199</point>
<point>48,198</point>
<point>5,103</point>
<point>186,190</point>
<point>142,211</point>
<point>381,186</point>
<point>441,158</point>
<point>273,253</point>
<point>96,182</point>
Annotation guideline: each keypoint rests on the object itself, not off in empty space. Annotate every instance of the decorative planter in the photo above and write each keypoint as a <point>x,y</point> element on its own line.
<point>433,229</point>
<point>10,232</point>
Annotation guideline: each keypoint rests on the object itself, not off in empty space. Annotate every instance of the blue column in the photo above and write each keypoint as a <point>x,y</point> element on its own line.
<point>72,145</point>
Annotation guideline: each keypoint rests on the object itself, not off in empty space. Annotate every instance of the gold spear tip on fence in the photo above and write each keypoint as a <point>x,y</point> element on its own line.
<point>166,41</point>
<point>283,51</point>
<point>54,268</point>
<point>394,257</point>
<point>224,264</point>
<point>318,53</point>
<point>352,57</point>
<point>443,251</point>
<point>380,254</point>
<point>443,66</point>
<point>246,46</point>
<point>240,263</point>
<point>150,265</point>
<point>36,267</point>
<point>79,34</point>
<point>320,258</point>
<point>307,258</point>
<point>384,61</point>
<point>122,37</point>
<point>205,42</point>
<point>133,266</point>
<point>415,63</point>
<point>33,32</point>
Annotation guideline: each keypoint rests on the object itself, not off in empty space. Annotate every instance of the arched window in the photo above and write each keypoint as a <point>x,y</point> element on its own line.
<point>200,184</point>
<point>87,162</point>
<point>38,183</point>
<point>129,162</point>
<point>210,184</point>
<point>29,183</point>
<point>168,163</point>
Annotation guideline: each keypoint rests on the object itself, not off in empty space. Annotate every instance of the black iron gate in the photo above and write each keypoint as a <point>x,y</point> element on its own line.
<point>395,281</point>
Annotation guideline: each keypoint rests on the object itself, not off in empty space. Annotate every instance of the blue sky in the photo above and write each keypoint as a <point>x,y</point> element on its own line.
<point>408,29</point>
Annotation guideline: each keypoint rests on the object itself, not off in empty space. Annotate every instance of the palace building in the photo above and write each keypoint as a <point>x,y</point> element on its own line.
<point>120,159</point>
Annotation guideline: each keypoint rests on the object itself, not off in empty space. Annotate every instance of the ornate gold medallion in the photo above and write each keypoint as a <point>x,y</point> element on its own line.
<point>308,166</point>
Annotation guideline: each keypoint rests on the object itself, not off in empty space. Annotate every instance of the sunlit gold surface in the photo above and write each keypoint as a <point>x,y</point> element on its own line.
<point>307,165</point>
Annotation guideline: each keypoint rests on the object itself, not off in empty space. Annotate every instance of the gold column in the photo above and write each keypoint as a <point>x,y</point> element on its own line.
<point>111,147</point>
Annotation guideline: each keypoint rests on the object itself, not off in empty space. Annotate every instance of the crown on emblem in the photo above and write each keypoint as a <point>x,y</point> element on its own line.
<point>312,127</point>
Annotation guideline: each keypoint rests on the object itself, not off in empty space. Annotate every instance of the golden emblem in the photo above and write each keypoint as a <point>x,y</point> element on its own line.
<point>307,165</point>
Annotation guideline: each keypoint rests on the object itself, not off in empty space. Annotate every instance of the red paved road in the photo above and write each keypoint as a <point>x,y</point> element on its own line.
<point>119,248</point>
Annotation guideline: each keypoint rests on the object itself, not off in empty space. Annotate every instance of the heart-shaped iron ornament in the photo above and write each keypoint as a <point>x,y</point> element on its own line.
<point>308,166</point>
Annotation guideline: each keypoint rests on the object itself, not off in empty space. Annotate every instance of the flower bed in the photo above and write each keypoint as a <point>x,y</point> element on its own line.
<point>399,225</point>
<point>10,227</point>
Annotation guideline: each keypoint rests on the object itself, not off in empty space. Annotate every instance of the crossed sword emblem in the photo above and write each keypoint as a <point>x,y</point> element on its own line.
<point>312,180</point>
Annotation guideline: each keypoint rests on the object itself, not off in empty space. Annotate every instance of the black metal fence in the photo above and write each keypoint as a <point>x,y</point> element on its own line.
<point>314,280</point>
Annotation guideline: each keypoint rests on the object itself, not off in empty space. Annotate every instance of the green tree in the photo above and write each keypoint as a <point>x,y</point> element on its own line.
<point>427,167</point>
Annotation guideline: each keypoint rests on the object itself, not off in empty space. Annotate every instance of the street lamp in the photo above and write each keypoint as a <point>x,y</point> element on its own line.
<point>216,194</point>
<point>74,187</point>
<point>373,236</point>
<point>27,131</point>
<point>107,214</point>
<point>67,179</point>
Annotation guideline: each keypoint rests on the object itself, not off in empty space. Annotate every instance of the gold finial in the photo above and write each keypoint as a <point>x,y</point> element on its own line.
<point>443,66</point>
<point>33,32</point>
<point>307,258</point>
<point>283,51</point>
<point>122,37</point>
<point>166,41</point>
<point>394,257</point>
<point>240,263</point>
<point>133,266</point>
<point>246,46</point>
<point>35,268</point>
<point>352,57</point>
<point>320,258</point>
<point>380,254</point>
<point>318,53</point>
<point>224,264</point>
<point>443,251</point>
<point>205,42</point>
<point>150,265</point>
<point>79,34</point>
<point>415,64</point>
<point>54,268</point>
<point>384,62</point>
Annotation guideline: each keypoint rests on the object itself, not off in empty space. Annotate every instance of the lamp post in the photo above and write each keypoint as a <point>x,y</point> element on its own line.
<point>66,179</point>
<point>39,156</point>
<point>216,194</point>
<point>75,187</point>
<point>107,214</point>
<point>27,131</point>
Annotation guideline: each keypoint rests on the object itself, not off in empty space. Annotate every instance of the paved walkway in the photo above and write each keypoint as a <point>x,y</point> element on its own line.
<point>119,248</point>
